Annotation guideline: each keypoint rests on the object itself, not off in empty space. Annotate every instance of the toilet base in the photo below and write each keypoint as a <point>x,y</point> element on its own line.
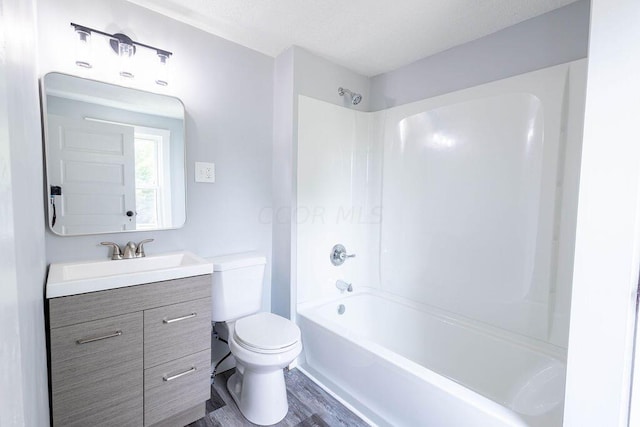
<point>260,396</point>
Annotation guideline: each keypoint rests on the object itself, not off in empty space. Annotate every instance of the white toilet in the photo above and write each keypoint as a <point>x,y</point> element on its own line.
<point>262,343</point>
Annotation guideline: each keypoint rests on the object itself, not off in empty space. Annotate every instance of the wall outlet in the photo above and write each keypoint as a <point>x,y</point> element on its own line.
<point>205,172</point>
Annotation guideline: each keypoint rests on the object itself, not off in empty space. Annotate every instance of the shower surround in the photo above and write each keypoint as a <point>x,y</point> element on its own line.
<point>461,212</point>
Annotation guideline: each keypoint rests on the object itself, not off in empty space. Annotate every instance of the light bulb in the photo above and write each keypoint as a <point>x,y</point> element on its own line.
<point>162,72</point>
<point>126,52</point>
<point>83,47</point>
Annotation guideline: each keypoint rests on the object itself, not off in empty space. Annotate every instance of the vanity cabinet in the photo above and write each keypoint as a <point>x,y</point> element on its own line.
<point>132,356</point>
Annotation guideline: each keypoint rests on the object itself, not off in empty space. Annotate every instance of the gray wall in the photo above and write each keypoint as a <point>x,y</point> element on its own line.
<point>23,367</point>
<point>550,39</point>
<point>318,78</point>
<point>283,181</point>
<point>227,92</point>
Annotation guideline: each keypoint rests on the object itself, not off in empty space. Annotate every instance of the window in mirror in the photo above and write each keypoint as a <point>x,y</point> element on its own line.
<point>153,175</point>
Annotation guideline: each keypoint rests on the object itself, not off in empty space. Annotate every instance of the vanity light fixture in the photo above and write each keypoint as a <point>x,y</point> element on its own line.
<point>124,47</point>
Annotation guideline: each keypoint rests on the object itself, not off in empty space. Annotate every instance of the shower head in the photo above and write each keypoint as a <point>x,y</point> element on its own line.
<point>355,97</point>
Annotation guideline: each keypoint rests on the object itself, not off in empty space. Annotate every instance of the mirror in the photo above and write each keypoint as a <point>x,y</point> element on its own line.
<point>115,157</point>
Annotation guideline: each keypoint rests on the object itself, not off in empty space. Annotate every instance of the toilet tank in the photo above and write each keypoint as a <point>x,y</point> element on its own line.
<point>236,288</point>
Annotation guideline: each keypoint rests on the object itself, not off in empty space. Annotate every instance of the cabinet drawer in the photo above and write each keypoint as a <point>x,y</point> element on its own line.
<point>96,372</point>
<point>176,386</point>
<point>69,310</point>
<point>176,330</point>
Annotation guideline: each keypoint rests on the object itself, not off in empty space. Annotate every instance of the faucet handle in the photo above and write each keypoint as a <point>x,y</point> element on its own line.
<point>117,253</point>
<point>140,249</point>
<point>339,255</point>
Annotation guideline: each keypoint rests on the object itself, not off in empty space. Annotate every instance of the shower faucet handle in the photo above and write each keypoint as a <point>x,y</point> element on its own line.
<point>339,255</point>
<point>344,256</point>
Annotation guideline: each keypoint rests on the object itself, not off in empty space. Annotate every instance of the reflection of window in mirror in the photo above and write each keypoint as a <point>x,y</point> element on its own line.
<point>152,170</point>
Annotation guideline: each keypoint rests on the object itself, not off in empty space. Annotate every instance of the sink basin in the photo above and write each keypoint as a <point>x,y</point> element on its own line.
<point>90,276</point>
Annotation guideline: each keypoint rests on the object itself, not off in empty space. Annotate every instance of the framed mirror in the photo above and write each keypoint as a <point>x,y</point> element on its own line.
<point>115,157</point>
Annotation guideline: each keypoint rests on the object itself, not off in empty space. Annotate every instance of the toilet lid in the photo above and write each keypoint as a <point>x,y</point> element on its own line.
<point>266,331</point>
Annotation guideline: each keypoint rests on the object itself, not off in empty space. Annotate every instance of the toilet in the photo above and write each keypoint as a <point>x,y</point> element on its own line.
<point>262,343</point>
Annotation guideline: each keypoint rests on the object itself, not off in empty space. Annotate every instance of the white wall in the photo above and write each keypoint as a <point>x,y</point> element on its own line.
<point>23,366</point>
<point>553,38</point>
<point>607,258</point>
<point>11,401</point>
<point>227,92</point>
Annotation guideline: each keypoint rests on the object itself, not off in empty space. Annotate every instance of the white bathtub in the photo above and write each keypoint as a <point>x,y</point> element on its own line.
<point>404,364</point>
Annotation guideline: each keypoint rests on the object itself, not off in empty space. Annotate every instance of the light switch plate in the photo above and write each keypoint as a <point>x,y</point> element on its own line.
<point>205,172</point>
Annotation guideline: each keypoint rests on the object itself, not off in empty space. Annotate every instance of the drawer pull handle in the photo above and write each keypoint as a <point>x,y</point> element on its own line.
<point>181,374</point>
<point>177,319</point>
<point>103,337</point>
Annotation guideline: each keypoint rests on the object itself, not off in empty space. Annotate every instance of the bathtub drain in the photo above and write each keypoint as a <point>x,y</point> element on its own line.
<point>341,309</point>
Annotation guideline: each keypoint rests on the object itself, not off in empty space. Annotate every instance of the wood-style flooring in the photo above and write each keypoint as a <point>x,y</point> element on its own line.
<point>309,406</point>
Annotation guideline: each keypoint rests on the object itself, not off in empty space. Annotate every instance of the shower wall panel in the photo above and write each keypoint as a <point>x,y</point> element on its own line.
<point>338,198</point>
<point>479,196</point>
<point>465,202</point>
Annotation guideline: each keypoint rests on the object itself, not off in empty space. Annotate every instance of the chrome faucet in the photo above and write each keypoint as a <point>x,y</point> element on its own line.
<point>344,286</point>
<point>130,251</point>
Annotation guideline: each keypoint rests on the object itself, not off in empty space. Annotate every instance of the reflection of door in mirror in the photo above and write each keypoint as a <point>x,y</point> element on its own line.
<point>93,164</point>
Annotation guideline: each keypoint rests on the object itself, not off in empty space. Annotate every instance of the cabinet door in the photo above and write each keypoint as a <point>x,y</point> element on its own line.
<point>176,330</point>
<point>97,372</point>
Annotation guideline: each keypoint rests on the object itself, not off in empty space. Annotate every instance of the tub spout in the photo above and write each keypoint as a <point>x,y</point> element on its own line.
<point>344,286</point>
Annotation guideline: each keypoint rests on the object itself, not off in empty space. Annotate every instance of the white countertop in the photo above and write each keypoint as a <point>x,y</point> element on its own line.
<point>73,278</point>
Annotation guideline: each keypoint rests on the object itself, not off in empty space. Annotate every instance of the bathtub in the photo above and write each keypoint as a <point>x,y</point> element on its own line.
<point>442,371</point>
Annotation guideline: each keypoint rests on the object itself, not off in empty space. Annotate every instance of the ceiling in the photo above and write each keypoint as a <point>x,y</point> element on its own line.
<point>367,36</point>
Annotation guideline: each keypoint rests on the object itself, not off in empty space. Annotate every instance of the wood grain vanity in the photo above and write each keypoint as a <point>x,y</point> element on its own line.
<point>132,356</point>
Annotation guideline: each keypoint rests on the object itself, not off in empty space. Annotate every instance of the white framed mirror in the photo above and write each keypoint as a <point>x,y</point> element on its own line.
<point>115,157</point>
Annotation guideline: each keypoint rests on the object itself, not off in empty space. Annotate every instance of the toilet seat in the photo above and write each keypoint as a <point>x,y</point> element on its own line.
<point>266,333</point>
